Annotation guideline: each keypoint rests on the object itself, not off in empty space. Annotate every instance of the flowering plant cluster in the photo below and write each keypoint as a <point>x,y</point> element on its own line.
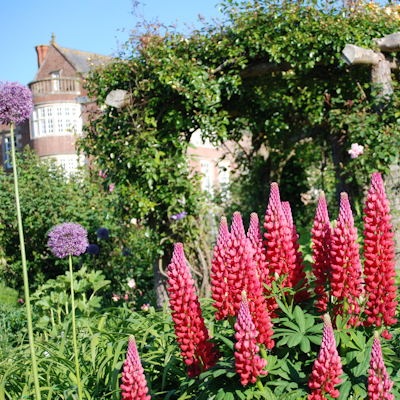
<point>256,283</point>
<point>15,103</point>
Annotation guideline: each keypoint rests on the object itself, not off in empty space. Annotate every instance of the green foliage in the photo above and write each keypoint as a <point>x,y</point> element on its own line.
<point>8,296</point>
<point>270,72</point>
<point>48,199</point>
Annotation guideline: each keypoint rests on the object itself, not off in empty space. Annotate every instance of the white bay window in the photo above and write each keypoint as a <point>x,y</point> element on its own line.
<point>56,119</point>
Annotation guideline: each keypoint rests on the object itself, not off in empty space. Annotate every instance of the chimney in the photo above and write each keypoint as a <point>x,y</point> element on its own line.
<point>41,50</point>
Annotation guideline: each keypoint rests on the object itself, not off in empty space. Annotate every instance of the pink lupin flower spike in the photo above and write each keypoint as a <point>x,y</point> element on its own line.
<point>345,262</point>
<point>219,272</point>
<point>134,385</point>
<point>321,237</point>
<point>257,273</point>
<point>255,237</point>
<point>297,274</point>
<point>379,384</point>
<point>379,266</point>
<point>327,367</point>
<point>248,363</point>
<point>192,335</point>
<point>281,255</point>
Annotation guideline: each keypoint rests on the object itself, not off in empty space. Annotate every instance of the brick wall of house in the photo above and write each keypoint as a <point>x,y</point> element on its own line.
<point>55,61</point>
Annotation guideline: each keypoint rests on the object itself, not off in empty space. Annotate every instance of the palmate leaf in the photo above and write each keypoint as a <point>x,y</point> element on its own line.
<point>300,319</point>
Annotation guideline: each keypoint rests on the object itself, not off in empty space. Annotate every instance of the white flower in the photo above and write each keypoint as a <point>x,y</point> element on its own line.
<point>132,284</point>
<point>46,354</point>
<point>356,150</point>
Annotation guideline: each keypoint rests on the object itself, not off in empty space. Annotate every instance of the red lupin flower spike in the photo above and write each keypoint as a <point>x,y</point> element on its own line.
<point>321,237</point>
<point>134,385</point>
<point>345,262</point>
<point>379,266</point>
<point>297,274</point>
<point>327,367</point>
<point>248,364</point>
<point>219,272</point>
<point>379,384</point>
<point>198,353</point>
<point>281,255</point>
<point>260,257</point>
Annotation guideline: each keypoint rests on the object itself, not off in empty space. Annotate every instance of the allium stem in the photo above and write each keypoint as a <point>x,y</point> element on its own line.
<point>78,379</point>
<point>24,267</point>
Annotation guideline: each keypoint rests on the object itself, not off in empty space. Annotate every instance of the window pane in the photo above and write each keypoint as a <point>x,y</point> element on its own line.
<point>36,128</point>
<point>42,112</point>
<point>50,125</point>
<point>60,126</point>
<point>43,126</point>
<point>59,111</point>
<point>66,110</point>
<point>49,112</point>
<point>35,114</point>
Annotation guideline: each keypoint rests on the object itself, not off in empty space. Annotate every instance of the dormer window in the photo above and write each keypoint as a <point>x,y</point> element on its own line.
<point>56,82</point>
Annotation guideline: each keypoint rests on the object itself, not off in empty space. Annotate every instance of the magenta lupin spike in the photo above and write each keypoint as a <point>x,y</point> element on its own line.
<point>379,267</point>
<point>248,363</point>
<point>297,274</point>
<point>327,367</point>
<point>255,237</point>
<point>219,272</point>
<point>134,385</point>
<point>379,384</point>
<point>192,335</point>
<point>345,260</point>
<point>321,236</point>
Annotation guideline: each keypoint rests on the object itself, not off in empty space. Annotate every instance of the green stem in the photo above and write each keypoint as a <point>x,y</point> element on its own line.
<point>78,379</point>
<point>24,268</point>
<point>263,352</point>
<point>53,324</point>
<point>260,385</point>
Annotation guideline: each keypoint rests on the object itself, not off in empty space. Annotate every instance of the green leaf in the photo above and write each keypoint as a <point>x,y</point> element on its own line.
<point>294,339</point>
<point>344,390</point>
<point>305,345</point>
<point>299,317</point>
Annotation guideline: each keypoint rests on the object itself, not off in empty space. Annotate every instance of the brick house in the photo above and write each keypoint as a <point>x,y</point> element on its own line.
<point>60,107</point>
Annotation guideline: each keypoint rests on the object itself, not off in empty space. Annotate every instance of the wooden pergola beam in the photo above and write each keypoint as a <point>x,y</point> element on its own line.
<point>388,43</point>
<point>352,55</point>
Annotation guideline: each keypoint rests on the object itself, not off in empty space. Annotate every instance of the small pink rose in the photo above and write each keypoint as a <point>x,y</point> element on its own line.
<point>111,187</point>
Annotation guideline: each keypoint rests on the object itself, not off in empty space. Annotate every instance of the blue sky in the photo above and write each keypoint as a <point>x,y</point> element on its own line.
<point>87,25</point>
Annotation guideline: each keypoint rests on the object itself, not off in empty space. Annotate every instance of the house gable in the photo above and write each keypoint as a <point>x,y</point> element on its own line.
<point>55,61</point>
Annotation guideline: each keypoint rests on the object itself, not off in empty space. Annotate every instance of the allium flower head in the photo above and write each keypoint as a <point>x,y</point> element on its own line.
<point>379,384</point>
<point>103,233</point>
<point>327,367</point>
<point>134,385</point>
<point>68,239</point>
<point>355,150</point>
<point>247,362</point>
<point>379,267</point>
<point>321,237</point>
<point>92,249</point>
<point>126,252</point>
<point>192,335</point>
<point>15,103</point>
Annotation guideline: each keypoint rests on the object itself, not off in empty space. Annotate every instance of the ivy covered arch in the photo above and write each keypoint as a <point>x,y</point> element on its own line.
<point>272,70</point>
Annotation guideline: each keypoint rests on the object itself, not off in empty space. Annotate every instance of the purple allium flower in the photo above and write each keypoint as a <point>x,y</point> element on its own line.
<point>126,252</point>
<point>177,217</point>
<point>15,103</point>
<point>92,249</point>
<point>68,239</point>
<point>103,233</point>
